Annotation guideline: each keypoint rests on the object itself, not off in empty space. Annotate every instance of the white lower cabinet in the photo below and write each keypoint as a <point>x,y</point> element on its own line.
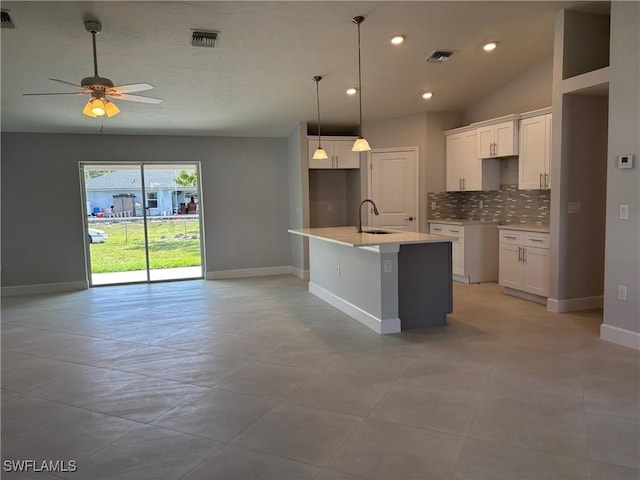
<point>475,253</point>
<point>524,262</point>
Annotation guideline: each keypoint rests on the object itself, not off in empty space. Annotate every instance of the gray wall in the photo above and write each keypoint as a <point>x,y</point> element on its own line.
<point>245,199</point>
<point>298,180</point>
<point>622,254</point>
<point>530,91</point>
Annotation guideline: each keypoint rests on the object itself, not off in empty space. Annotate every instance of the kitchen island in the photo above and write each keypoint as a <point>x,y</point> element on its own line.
<point>390,282</point>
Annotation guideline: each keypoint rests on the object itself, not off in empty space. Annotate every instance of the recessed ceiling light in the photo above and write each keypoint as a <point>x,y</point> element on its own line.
<point>352,91</point>
<point>427,95</point>
<point>397,39</point>
<point>490,46</point>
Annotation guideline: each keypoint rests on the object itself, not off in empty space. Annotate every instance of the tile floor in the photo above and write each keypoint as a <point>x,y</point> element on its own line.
<point>258,379</point>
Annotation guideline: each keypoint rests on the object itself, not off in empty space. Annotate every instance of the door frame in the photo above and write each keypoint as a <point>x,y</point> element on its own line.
<point>416,178</point>
<point>140,164</point>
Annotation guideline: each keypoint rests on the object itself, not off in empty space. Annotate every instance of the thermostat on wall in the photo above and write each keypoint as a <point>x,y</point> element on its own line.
<point>625,161</point>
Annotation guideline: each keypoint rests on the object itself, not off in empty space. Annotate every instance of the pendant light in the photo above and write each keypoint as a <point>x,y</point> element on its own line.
<point>319,154</point>
<point>361,144</point>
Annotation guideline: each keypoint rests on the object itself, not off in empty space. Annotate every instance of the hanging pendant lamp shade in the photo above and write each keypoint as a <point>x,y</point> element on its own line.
<point>319,154</point>
<point>361,144</point>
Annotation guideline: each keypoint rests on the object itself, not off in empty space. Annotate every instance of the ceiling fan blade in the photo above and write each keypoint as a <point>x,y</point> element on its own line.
<point>133,87</point>
<point>135,98</point>
<point>64,81</point>
<point>55,93</point>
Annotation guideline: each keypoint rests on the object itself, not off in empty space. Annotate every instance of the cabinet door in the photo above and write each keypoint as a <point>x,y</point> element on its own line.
<point>506,142</point>
<point>457,256</point>
<point>472,173</point>
<point>510,266</point>
<point>438,229</point>
<point>455,161</point>
<point>547,137</point>
<point>485,141</point>
<point>533,153</point>
<point>328,147</point>
<point>343,156</point>
<point>536,271</point>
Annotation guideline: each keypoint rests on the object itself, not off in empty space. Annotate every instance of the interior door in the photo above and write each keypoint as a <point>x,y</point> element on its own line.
<point>393,178</point>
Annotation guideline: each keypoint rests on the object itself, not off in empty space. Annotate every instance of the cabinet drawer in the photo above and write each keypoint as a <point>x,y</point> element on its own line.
<point>540,240</point>
<point>438,229</point>
<point>510,237</point>
<point>455,231</point>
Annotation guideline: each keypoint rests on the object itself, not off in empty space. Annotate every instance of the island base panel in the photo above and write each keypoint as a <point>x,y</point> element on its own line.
<point>425,285</point>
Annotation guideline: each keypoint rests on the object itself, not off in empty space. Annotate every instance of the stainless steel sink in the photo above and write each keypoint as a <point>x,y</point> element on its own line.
<point>377,232</point>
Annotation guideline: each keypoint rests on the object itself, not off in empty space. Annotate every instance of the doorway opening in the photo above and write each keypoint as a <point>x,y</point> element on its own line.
<point>143,222</point>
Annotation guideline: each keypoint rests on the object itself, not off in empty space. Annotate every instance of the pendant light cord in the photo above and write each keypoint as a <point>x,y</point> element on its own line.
<point>357,21</point>
<point>317,80</point>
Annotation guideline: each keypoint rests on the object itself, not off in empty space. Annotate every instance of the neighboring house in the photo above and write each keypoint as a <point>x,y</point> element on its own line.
<point>121,191</point>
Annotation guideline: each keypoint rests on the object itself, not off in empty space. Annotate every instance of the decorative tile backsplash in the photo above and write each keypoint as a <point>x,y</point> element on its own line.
<point>507,205</point>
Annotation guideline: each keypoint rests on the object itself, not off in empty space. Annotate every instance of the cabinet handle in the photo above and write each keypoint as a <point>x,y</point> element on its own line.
<point>337,161</point>
<point>524,255</point>
<point>536,240</point>
<point>541,180</point>
<point>510,237</point>
<point>546,180</point>
<point>520,254</point>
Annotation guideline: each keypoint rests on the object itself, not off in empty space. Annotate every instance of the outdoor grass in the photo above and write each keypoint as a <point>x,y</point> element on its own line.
<point>173,243</point>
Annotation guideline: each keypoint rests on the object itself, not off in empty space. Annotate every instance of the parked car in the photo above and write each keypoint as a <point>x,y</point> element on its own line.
<point>97,236</point>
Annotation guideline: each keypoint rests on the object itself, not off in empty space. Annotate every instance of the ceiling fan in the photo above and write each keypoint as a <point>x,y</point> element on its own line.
<point>101,89</point>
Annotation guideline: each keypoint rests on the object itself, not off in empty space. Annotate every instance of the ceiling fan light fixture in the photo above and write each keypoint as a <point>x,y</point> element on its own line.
<point>110,108</point>
<point>88,109</point>
<point>97,107</point>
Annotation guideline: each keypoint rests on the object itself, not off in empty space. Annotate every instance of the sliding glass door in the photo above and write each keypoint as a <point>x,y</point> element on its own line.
<point>143,222</point>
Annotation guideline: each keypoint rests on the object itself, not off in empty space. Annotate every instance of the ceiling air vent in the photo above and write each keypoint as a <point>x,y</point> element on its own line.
<point>439,56</point>
<point>204,39</point>
<point>7,21</point>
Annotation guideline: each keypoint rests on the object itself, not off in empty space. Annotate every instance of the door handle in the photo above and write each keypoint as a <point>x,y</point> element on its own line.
<point>409,219</point>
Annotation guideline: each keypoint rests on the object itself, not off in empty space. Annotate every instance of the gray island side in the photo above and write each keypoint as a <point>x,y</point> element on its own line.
<point>390,282</point>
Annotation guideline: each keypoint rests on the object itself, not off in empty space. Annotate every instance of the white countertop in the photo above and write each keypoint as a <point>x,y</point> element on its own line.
<point>526,227</point>
<point>348,236</point>
<point>462,222</point>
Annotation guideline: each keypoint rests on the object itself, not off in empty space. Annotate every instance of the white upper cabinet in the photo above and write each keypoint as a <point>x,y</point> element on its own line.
<point>498,139</point>
<point>338,150</point>
<point>534,164</point>
<point>465,171</point>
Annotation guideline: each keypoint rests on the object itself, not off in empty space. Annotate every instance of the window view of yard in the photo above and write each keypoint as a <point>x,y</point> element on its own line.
<point>174,242</point>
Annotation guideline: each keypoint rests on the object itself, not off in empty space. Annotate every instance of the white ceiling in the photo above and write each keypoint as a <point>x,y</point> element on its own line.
<point>258,79</point>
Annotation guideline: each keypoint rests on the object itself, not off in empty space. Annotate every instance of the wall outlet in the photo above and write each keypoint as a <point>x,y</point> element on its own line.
<point>337,270</point>
<point>433,205</point>
<point>624,212</point>
<point>387,266</point>
<point>622,293</point>
<point>575,207</point>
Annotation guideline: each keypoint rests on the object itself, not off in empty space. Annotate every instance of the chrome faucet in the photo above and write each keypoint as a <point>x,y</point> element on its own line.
<point>375,211</point>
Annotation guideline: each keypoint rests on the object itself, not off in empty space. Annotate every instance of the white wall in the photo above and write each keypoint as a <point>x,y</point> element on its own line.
<point>622,254</point>
<point>298,180</point>
<point>245,199</point>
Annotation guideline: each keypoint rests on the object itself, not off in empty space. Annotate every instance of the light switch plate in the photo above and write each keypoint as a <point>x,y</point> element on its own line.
<point>624,212</point>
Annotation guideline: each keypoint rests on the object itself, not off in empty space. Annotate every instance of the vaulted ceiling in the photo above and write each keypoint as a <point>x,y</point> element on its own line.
<point>257,81</point>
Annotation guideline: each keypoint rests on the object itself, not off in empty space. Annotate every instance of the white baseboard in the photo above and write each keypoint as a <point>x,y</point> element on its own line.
<point>620,336</point>
<point>303,274</point>
<point>525,295</point>
<point>249,272</point>
<point>389,325</point>
<point>461,278</point>
<point>574,304</point>
<point>41,288</point>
